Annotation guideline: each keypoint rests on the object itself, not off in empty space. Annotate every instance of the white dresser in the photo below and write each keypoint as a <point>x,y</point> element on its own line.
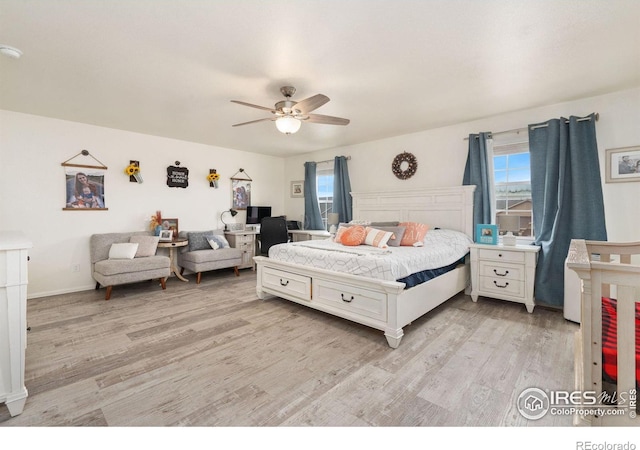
<point>504,272</point>
<point>13,319</point>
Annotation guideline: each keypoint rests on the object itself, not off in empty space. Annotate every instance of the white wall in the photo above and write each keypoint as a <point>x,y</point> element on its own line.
<point>32,190</point>
<point>442,154</point>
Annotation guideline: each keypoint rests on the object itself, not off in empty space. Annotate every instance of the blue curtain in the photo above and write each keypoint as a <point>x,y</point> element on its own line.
<point>478,172</point>
<point>312,216</point>
<point>341,189</point>
<point>566,193</point>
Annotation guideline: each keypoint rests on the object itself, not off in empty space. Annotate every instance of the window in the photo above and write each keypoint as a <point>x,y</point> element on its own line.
<point>512,180</point>
<point>324,180</point>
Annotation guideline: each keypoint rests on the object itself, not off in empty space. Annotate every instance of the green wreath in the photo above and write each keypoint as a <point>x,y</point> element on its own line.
<point>410,171</point>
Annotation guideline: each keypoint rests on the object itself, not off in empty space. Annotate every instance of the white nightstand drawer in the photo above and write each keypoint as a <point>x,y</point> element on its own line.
<point>362,302</point>
<point>501,255</point>
<point>286,282</point>
<point>495,285</point>
<point>504,271</point>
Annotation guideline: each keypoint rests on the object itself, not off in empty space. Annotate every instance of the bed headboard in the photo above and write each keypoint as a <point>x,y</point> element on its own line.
<point>450,207</point>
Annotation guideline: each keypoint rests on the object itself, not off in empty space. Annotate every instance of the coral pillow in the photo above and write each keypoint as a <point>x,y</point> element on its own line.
<point>377,238</point>
<point>340,232</point>
<point>414,233</point>
<point>353,236</point>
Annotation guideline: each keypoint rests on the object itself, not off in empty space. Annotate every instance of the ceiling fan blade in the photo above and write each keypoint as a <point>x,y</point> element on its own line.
<point>329,120</point>
<point>311,103</point>
<point>271,119</point>
<point>253,106</point>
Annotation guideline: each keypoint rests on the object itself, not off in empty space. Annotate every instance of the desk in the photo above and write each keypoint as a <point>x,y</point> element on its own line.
<point>171,245</point>
<point>308,235</point>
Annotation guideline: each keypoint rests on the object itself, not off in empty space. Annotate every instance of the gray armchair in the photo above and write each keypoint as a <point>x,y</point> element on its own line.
<point>111,272</point>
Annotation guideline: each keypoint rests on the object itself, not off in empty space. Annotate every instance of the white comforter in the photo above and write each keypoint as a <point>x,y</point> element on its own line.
<point>441,248</point>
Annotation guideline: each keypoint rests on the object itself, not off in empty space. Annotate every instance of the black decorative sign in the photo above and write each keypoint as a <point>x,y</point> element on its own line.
<point>177,176</point>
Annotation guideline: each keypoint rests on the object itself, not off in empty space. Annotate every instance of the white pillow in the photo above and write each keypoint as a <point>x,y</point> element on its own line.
<point>218,239</point>
<point>123,251</point>
<point>377,238</point>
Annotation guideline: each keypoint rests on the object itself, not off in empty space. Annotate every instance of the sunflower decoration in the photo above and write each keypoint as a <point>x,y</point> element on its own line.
<point>131,170</point>
<point>213,178</point>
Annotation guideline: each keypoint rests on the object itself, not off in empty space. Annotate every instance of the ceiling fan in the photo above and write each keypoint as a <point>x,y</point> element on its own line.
<point>289,114</point>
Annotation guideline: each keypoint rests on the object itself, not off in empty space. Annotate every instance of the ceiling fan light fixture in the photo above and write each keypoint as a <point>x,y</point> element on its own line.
<point>11,52</point>
<point>288,125</point>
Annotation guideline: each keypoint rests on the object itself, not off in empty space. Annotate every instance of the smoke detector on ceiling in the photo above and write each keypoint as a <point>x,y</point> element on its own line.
<point>11,52</point>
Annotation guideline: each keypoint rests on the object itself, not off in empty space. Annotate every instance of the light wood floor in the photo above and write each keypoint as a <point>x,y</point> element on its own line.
<point>214,355</point>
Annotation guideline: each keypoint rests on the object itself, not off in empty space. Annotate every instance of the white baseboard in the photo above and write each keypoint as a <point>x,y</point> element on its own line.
<point>59,292</point>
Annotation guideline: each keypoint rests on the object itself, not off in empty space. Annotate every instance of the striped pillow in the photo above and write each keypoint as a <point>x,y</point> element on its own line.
<point>414,233</point>
<point>377,238</point>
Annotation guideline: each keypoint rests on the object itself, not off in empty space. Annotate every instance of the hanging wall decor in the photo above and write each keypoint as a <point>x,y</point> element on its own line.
<point>133,170</point>
<point>177,176</point>
<point>213,178</point>
<point>84,185</point>
<point>240,190</point>
<point>404,165</point>
<point>622,164</point>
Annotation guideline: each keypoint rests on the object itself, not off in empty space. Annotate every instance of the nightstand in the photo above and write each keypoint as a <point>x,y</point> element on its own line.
<point>505,272</point>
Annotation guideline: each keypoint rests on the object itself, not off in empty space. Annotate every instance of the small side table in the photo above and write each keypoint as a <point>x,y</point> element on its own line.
<point>171,245</point>
<point>504,272</point>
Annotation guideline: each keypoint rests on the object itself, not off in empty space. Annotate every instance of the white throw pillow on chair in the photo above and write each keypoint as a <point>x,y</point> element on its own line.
<point>123,251</point>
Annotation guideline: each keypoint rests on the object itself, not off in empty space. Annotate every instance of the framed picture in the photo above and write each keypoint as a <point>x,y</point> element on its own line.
<point>486,234</point>
<point>85,189</point>
<point>170,224</point>
<point>240,193</point>
<point>297,189</point>
<point>166,235</point>
<point>622,164</point>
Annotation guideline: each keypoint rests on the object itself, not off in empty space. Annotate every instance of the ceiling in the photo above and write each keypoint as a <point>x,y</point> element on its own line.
<point>170,67</point>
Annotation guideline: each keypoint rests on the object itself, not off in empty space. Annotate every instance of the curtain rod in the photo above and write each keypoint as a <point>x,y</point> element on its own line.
<point>518,130</point>
<point>582,119</point>
<point>329,160</point>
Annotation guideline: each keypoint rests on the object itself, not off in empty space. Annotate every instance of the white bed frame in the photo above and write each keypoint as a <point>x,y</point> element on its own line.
<point>384,305</point>
<point>612,274</point>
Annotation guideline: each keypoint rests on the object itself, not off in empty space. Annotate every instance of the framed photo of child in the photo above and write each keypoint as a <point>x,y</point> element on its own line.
<point>487,234</point>
<point>84,189</point>
<point>166,235</point>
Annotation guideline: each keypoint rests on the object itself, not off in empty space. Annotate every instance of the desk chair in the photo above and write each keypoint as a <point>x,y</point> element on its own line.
<point>273,230</point>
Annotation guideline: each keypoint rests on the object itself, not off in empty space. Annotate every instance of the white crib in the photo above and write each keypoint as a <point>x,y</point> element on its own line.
<point>607,269</point>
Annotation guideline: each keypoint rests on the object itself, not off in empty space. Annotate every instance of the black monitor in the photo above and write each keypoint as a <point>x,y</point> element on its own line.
<point>255,214</point>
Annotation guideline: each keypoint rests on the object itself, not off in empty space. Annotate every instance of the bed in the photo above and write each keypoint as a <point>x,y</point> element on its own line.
<point>384,304</point>
<point>607,351</point>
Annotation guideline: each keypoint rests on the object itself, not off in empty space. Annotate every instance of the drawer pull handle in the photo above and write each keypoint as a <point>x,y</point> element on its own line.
<point>506,272</point>
<point>499,255</point>
<point>501,285</point>
<point>345,300</point>
<point>283,283</point>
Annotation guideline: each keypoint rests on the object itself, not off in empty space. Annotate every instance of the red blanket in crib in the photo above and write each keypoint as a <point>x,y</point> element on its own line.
<point>609,339</point>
